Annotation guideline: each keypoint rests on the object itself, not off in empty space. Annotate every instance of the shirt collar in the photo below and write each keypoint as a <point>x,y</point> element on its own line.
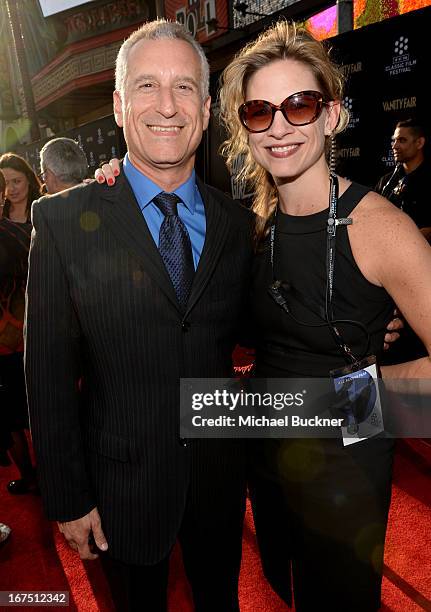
<point>145,190</point>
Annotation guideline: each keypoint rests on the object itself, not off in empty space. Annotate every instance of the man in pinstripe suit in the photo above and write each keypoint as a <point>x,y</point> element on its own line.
<point>102,309</point>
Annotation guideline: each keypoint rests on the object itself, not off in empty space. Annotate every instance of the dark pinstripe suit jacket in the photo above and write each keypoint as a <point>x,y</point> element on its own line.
<point>101,306</point>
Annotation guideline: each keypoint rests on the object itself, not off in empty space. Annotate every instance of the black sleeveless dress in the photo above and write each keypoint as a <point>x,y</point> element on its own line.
<point>320,508</point>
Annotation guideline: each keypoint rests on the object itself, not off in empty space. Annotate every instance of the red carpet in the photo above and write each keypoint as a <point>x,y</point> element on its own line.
<point>36,557</point>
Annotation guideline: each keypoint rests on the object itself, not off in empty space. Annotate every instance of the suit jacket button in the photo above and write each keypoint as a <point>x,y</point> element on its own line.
<point>185,326</point>
<point>183,442</point>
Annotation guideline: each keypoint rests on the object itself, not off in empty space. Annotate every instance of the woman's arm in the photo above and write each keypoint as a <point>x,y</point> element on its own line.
<point>392,253</point>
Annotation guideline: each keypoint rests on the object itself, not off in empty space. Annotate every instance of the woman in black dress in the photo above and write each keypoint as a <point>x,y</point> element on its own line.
<point>21,187</point>
<point>320,506</point>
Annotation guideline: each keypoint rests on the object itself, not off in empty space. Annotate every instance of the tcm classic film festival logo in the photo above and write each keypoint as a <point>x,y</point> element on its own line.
<point>350,71</point>
<point>402,60</point>
<point>388,158</point>
<point>350,106</point>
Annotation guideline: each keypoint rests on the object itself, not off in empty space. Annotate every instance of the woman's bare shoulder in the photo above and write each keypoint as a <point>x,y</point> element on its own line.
<point>376,211</point>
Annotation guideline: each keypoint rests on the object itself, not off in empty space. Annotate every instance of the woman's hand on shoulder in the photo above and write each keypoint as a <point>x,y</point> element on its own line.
<point>107,172</point>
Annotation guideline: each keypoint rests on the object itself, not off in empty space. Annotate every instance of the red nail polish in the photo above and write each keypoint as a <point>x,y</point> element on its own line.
<point>110,181</point>
<point>116,172</point>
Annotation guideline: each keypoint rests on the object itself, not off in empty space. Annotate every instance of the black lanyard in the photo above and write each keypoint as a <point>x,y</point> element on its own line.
<point>331,232</point>
<point>332,224</point>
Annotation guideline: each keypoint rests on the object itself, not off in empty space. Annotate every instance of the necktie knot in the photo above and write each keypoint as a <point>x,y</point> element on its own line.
<point>167,203</point>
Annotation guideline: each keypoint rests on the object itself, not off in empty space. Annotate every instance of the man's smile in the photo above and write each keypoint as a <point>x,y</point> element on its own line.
<point>175,129</point>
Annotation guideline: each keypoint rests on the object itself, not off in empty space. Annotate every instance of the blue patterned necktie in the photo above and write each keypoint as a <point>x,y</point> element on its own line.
<point>175,246</point>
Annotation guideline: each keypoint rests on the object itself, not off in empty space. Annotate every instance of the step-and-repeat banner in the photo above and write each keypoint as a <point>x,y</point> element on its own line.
<point>386,66</point>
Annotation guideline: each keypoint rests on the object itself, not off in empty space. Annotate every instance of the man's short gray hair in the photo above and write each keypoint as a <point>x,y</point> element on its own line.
<point>65,158</point>
<point>156,30</point>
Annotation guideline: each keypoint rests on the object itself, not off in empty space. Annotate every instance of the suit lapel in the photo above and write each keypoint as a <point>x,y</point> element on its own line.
<point>217,224</point>
<point>127,223</point>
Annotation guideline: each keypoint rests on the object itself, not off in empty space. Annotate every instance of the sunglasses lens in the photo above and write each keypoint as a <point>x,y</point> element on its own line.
<point>302,108</point>
<point>256,115</point>
<point>298,109</point>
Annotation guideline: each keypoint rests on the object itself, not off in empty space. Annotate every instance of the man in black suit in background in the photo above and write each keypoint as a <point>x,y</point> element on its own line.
<point>407,186</point>
<point>131,288</point>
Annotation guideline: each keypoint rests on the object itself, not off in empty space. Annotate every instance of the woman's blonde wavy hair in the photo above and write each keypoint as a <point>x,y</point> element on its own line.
<point>283,40</point>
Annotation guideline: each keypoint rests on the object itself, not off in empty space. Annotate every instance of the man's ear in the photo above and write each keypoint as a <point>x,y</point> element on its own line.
<point>421,142</point>
<point>333,110</point>
<point>206,113</point>
<point>118,108</point>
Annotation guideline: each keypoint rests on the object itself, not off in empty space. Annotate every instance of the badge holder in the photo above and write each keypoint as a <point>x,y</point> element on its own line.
<point>358,400</point>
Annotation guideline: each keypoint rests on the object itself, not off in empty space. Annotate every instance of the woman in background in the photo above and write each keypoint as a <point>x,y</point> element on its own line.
<point>5,439</point>
<point>320,507</point>
<point>21,187</point>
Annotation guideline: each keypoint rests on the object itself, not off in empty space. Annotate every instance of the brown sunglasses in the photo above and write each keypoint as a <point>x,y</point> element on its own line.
<point>300,108</point>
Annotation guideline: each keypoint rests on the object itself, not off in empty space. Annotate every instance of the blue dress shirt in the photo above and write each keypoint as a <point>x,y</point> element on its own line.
<point>191,210</point>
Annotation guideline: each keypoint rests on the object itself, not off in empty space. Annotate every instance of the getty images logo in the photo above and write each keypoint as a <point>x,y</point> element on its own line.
<point>349,105</point>
<point>402,60</point>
